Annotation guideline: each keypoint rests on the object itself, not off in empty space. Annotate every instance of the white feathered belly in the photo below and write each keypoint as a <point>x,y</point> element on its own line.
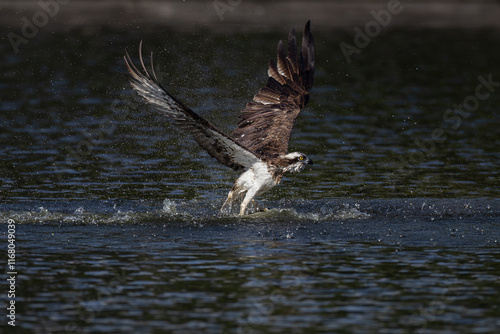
<point>257,177</point>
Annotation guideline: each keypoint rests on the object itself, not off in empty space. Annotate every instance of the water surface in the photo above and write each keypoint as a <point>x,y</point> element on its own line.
<point>394,230</point>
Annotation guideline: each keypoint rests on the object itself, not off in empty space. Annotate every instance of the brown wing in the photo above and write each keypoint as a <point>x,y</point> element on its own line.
<point>266,123</point>
<point>216,143</point>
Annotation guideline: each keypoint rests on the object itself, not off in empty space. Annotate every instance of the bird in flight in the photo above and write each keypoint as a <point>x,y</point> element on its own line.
<point>259,144</point>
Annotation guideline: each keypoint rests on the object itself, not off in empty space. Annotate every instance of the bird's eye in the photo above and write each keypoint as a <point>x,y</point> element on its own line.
<point>301,158</point>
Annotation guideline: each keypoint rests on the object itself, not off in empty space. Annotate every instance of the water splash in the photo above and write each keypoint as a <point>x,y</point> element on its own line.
<point>349,212</point>
<point>206,210</point>
<point>169,207</point>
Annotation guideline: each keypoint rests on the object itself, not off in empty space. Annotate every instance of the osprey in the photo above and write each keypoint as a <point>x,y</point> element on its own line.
<point>259,144</point>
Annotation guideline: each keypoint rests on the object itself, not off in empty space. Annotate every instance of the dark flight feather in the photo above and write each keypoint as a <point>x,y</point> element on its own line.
<point>215,142</point>
<point>266,124</point>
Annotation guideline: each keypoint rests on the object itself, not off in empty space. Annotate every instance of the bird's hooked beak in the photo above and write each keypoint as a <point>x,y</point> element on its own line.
<point>309,162</point>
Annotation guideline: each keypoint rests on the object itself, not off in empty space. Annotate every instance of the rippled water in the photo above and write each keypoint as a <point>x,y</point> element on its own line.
<point>71,128</point>
<point>259,277</point>
<point>394,230</point>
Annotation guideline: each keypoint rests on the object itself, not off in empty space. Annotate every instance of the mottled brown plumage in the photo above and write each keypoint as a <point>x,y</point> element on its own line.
<point>266,123</point>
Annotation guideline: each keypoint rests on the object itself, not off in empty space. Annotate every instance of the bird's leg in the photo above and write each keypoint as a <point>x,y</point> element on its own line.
<point>228,204</point>
<point>248,197</point>
<point>234,195</point>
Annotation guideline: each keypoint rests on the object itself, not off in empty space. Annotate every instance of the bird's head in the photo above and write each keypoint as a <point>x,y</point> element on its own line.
<point>296,162</point>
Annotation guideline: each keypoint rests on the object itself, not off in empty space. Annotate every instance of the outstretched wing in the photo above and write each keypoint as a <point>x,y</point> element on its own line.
<point>266,123</point>
<point>217,144</point>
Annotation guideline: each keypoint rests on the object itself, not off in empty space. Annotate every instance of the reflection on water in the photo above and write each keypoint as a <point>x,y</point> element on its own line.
<point>394,230</point>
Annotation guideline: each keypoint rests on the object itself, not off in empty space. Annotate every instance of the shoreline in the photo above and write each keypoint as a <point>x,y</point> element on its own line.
<point>238,15</point>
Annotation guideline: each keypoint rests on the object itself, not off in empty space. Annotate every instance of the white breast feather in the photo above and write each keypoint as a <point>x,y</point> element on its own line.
<point>257,177</point>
